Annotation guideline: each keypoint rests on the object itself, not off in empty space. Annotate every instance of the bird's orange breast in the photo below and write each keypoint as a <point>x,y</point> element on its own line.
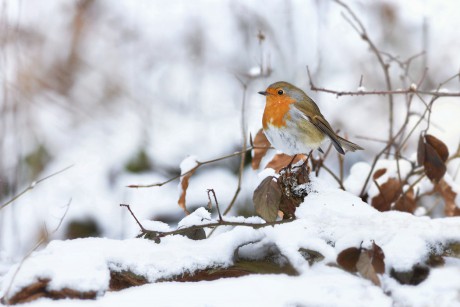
<point>277,111</point>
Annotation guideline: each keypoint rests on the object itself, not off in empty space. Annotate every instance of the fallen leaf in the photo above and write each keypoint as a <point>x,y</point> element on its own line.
<point>262,145</point>
<point>267,198</point>
<point>415,276</point>
<point>378,258</point>
<point>365,267</point>
<point>406,202</point>
<point>446,192</point>
<point>389,193</point>
<point>281,160</point>
<point>348,258</point>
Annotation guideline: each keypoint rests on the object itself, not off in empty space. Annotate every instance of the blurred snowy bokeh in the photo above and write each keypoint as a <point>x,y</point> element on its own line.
<point>125,90</point>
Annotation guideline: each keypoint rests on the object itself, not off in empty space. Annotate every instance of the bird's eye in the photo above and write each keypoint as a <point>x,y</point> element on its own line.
<point>280,92</point>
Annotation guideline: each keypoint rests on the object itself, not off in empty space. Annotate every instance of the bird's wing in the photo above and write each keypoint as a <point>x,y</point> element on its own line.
<point>324,126</point>
<point>307,111</point>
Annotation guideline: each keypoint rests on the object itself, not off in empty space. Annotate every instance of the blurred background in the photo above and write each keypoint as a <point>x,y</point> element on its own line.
<point>125,90</point>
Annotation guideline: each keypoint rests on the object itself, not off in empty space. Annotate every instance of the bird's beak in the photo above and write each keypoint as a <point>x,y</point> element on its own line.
<point>263,93</point>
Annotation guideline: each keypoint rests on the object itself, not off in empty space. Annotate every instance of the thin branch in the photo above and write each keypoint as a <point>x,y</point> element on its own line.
<point>159,234</point>
<point>384,93</point>
<point>42,240</point>
<point>215,199</point>
<point>199,164</point>
<point>134,216</point>
<point>339,93</point>
<point>385,67</point>
<point>33,185</point>
<point>327,169</point>
<point>243,151</point>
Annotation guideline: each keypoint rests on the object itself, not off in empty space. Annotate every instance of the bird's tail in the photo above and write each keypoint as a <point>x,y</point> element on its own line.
<point>347,145</point>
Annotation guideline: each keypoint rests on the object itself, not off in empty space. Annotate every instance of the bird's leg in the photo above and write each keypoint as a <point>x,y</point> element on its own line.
<point>308,158</point>
<point>292,160</point>
<point>288,167</point>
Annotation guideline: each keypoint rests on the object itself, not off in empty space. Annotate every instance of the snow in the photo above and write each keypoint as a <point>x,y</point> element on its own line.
<point>329,220</point>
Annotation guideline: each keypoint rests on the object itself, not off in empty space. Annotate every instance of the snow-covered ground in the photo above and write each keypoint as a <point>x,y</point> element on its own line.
<point>329,221</point>
<point>95,83</point>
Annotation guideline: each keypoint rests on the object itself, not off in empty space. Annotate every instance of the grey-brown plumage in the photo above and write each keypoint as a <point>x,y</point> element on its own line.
<point>302,121</point>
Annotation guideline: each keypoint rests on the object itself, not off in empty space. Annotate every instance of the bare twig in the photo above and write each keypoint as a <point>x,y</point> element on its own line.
<point>336,178</point>
<point>33,185</point>
<point>134,216</point>
<point>243,151</point>
<point>42,240</point>
<point>407,91</point>
<point>159,234</point>
<point>199,164</point>
<point>211,191</point>
<point>361,30</point>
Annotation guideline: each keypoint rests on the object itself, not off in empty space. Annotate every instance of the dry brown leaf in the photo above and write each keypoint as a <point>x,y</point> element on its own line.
<point>288,206</point>
<point>281,160</point>
<point>378,258</point>
<point>439,146</point>
<point>432,153</point>
<point>406,203</point>
<point>366,269</point>
<point>348,258</point>
<point>262,145</point>
<point>379,173</point>
<point>389,193</point>
<point>434,166</point>
<point>421,150</point>
<point>450,207</point>
<point>184,185</point>
<point>267,198</point>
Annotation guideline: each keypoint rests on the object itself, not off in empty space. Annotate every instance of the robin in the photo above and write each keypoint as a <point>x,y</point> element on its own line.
<point>294,124</point>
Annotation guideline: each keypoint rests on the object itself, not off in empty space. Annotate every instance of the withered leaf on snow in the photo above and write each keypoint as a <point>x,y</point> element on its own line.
<point>378,258</point>
<point>267,198</point>
<point>261,145</point>
<point>368,262</point>
<point>389,193</point>
<point>406,202</point>
<point>348,258</point>
<point>366,269</point>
